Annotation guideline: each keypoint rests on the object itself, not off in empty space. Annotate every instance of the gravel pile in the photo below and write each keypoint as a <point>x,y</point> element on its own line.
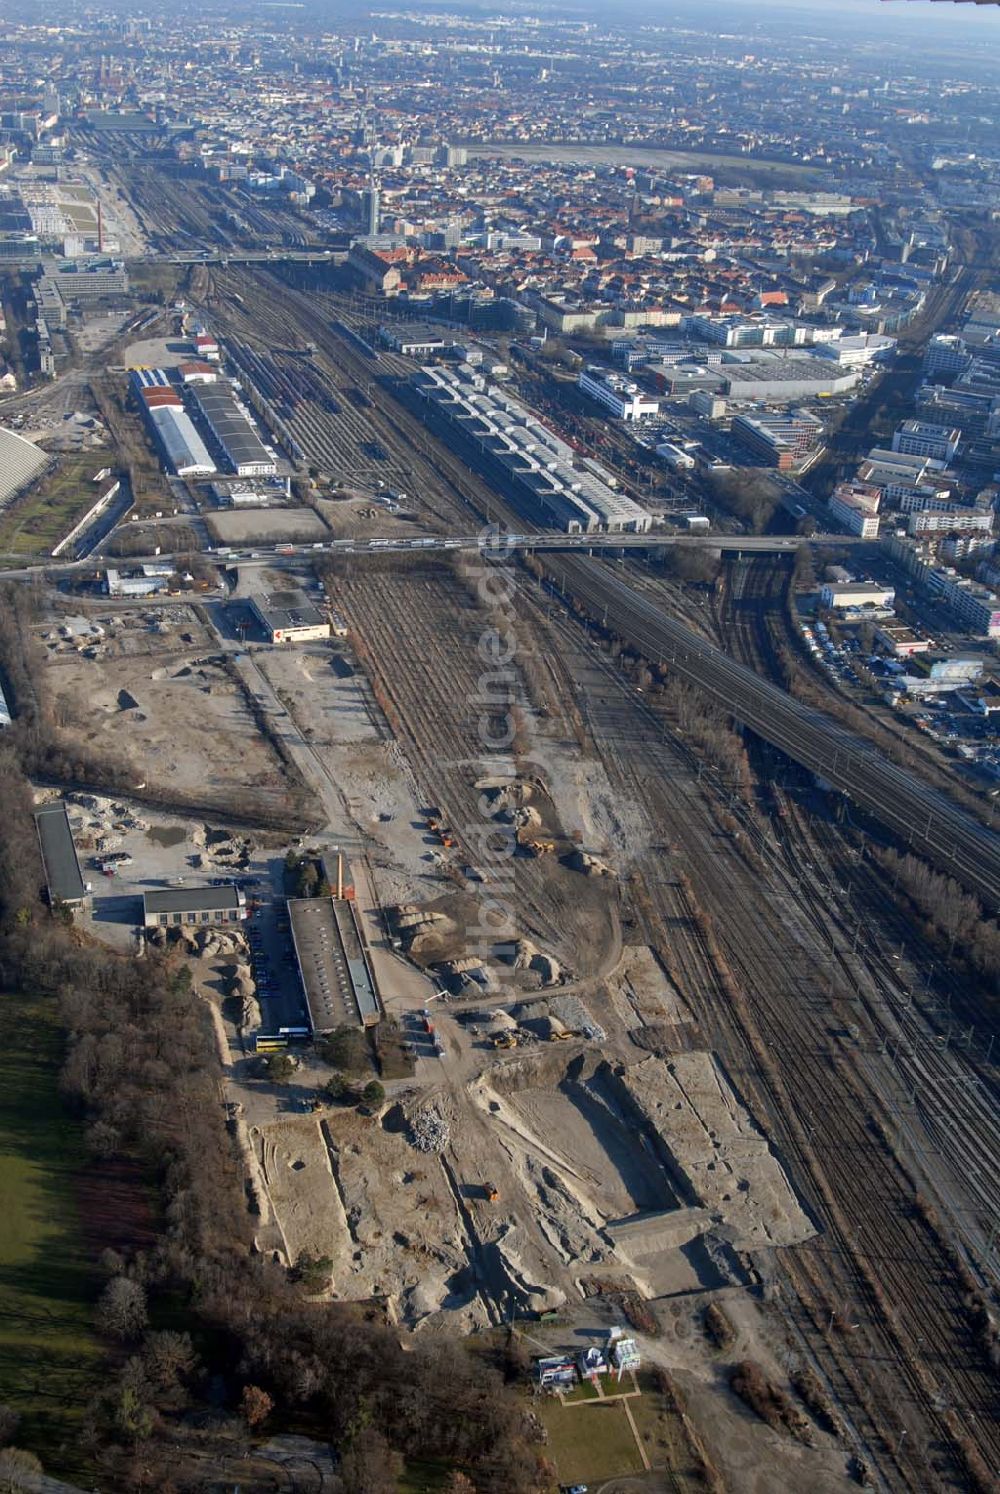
<point>571,1011</point>
<point>429,1131</point>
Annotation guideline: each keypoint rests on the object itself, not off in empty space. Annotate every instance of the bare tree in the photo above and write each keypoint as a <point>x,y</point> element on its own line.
<point>121,1311</point>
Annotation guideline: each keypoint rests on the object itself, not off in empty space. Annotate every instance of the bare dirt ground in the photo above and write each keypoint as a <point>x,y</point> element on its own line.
<point>266,527</point>
<point>158,352</point>
<point>154,693</point>
<point>362,515</point>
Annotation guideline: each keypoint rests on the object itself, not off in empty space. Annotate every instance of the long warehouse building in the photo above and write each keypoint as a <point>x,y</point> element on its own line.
<point>62,866</point>
<point>182,448</point>
<point>517,451</point>
<point>233,429</point>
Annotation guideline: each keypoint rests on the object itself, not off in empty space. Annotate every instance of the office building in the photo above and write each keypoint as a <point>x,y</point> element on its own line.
<point>922,438</point>
<point>781,441</point>
<point>951,521</point>
<point>370,211</point>
<point>945,355</point>
<point>855,506</point>
<point>623,399</point>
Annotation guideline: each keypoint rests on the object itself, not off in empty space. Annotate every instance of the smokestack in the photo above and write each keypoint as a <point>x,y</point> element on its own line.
<point>340,874</point>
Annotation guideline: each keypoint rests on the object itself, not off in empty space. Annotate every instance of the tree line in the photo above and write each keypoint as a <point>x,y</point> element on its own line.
<point>209,1343</point>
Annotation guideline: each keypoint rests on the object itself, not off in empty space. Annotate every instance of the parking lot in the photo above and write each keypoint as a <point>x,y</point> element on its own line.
<point>272,956</point>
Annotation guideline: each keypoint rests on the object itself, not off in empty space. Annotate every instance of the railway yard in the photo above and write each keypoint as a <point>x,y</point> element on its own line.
<point>689,1044</point>
<point>861,1054</point>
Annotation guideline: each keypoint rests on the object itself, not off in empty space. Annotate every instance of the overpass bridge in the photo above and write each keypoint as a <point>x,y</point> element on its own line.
<point>225,257</point>
<point>489,542</point>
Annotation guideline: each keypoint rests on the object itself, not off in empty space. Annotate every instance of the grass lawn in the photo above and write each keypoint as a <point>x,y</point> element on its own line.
<point>48,1354</point>
<point>583,1390</point>
<point>589,1442</point>
<point>662,1434</point>
<point>37,523</point>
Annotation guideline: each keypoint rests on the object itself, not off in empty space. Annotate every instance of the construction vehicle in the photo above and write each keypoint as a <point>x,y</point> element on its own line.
<point>492,1192</point>
<point>505,1040</point>
<point>537,847</point>
<point>558,1031</point>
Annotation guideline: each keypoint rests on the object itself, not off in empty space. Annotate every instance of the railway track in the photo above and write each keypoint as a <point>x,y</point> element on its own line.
<point>881,1263</point>
<point>918,814</point>
<point>824,1135</point>
<point>955,1117</point>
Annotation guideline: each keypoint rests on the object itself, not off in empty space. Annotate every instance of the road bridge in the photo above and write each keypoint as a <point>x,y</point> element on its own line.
<point>486,541</point>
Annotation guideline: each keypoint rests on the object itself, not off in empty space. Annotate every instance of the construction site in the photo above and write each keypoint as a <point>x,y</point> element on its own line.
<point>653,1029</point>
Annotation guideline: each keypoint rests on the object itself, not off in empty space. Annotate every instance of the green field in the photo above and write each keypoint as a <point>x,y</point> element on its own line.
<point>48,1354</point>
<point>589,1442</point>
<point>51,509</point>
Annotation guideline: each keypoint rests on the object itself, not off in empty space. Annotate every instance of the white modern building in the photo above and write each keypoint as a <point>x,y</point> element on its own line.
<point>922,438</point>
<point>842,596</point>
<point>951,521</point>
<point>624,399</point>
<point>855,506</point>
<point>859,351</point>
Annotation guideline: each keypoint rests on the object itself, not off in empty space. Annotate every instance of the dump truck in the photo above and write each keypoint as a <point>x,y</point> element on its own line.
<point>505,1040</point>
<point>558,1031</point>
<point>539,847</point>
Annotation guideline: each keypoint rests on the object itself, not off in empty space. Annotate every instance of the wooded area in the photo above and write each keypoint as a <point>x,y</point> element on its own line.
<point>208,1343</point>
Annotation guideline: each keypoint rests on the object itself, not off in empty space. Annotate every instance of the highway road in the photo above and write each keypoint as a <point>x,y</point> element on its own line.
<point>917,813</point>
<point>588,544</point>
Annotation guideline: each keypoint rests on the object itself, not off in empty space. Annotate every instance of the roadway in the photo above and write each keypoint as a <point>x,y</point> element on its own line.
<point>916,813</point>
<point>486,540</point>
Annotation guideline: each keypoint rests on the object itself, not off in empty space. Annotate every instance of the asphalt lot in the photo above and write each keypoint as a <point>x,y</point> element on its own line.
<point>273,959</point>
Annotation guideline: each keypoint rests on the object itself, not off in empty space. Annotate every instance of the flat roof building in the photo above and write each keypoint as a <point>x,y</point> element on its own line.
<point>188,907</point>
<point>782,441</point>
<point>922,438</point>
<point>856,594</point>
<point>624,399</point>
<point>787,378</point>
<point>337,980</point>
<point>518,451</point>
<point>418,339</point>
<point>233,429</point>
<point>289,617</point>
<point>62,867</point>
